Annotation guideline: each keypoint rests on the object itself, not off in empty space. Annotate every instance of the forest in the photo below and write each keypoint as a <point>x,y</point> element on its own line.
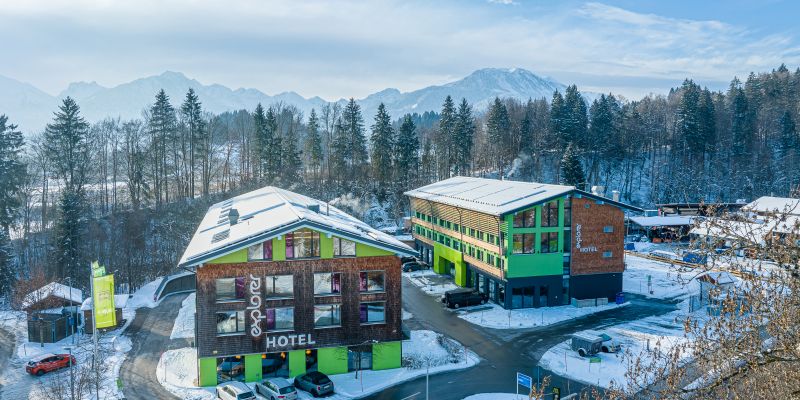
<point>130,193</point>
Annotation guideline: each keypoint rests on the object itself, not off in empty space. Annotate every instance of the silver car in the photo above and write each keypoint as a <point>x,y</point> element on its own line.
<point>276,389</point>
<point>234,391</point>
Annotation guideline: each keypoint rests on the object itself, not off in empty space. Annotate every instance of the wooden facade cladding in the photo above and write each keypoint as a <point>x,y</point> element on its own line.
<point>458,235</point>
<point>487,268</point>
<point>471,219</point>
<point>422,239</point>
<point>593,218</point>
<point>350,332</point>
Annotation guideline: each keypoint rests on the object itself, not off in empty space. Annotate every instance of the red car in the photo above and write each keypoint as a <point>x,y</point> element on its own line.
<point>48,363</point>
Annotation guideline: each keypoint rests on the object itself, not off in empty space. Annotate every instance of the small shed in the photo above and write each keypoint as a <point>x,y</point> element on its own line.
<point>52,312</point>
<point>711,282</point>
<point>120,301</point>
<point>662,228</point>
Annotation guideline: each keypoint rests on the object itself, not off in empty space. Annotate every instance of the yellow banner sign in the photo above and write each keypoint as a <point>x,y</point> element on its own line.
<point>105,315</point>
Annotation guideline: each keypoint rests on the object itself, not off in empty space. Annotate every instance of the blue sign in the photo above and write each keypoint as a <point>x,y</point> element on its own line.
<point>524,380</point>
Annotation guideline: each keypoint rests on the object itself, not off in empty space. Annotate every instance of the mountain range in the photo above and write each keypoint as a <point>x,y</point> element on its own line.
<point>32,108</point>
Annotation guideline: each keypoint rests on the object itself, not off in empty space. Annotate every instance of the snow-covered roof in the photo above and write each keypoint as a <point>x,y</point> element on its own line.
<point>752,232</point>
<point>120,300</point>
<point>778,205</point>
<point>269,212</point>
<point>662,221</point>
<point>54,289</point>
<point>717,277</point>
<point>489,196</point>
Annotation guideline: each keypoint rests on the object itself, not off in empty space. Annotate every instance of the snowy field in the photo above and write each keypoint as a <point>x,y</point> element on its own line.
<point>184,322</point>
<point>666,281</point>
<point>496,317</point>
<point>18,385</point>
<point>180,367</point>
<point>430,282</point>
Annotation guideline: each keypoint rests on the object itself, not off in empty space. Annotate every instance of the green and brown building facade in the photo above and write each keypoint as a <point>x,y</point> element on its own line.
<point>286,284</point>
<point>523,244</point>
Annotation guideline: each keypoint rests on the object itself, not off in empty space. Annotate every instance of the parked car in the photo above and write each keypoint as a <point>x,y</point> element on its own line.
<point>234,391</point>
<point>414,266</point>
<point>276,389</point>
<point>407,259</point>
<point>609,345</point>
<point>586,344</point>
<point>49,363</point>
<point>463,297</point>
<point>230,367</point>
<point>314,382</point>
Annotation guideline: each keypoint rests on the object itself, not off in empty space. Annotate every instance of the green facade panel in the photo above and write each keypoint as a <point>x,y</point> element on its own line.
<point>536,264</point>
<point>527,265</point>
<point>207,369</point>
<point>363,250</point>
<point>279,248</point>
<point>332,360</point>
<point>252,368</point>
<point>387,355</point>
<point>297,363</point>
<point>237,256</point>
<point>325,246</point>
<point>444,257</point>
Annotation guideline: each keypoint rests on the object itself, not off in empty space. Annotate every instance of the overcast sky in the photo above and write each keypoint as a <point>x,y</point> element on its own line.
<point>343,49</point>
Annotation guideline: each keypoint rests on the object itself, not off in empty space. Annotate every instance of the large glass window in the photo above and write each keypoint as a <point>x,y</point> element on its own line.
<point>279,286</point>
<point>343,247</point>
<point>302,243</point>
<point>523,243</point>
<point>230,289</point>
<point>371,281</point>
<point>550,214</point>
<point>372,313</point>
<point>260,251</point>
<point>567,212</point>
<point>327,315</point>
<point>549,242</point>
<point>280,319</point>
<point>525,219</point>
<point>326,283</point>
<point>230,322</point>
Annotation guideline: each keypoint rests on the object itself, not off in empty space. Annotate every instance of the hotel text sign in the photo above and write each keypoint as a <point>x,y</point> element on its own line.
<point>579,242</point>
<point>290,340</point>
<point>254,309</point>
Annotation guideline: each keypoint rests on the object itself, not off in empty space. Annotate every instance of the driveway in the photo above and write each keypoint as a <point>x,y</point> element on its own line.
<point>8,344</point>
<point>149,333</point>
<point>503,352</point>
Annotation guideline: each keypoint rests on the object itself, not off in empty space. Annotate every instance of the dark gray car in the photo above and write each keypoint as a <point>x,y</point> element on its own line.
<point>316,383</point>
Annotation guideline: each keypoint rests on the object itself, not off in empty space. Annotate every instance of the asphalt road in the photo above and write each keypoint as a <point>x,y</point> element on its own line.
<point>7,346</point>
<point>502,352</point>
<point>149,333</point>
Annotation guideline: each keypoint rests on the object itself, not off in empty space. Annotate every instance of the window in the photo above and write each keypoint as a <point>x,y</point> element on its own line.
<point>372,313</point>
<point>371,281</point>
<point>230,289</point>
<point>302,243</point>
<point>550,214</point>
<point>489,259</point>
<point>260,251</point>
<point>567,212</point>
<point>230,322</point>
<point>327,315</point>
<point>479,255</point>
<point>525,219</point>
<point>280,319</point>
<point>567,241</point>
<point>607,254</point>
<point>326,283</point>
<point>343,247</point>
<point>279,286</point>
<point>523,243</point>
<point>548,242</point>
<point>608,229</point>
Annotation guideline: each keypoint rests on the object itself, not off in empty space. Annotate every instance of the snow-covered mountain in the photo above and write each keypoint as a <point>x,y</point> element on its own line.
<point>32,108</point>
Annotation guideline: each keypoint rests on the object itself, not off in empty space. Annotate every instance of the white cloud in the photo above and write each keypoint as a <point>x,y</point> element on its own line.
<point>353,48</point>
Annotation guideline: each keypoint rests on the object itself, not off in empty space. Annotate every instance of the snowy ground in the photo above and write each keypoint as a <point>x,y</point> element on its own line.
<point>430,282</point>
<point>180,367</point>
<point>496,317</point>
<point>18,385</point>
<point>184,322</point>
<point>497,396</point>
<point>666,281</point>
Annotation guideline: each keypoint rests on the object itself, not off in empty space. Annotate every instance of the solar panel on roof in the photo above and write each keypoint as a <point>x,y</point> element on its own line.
<point>220,236</point>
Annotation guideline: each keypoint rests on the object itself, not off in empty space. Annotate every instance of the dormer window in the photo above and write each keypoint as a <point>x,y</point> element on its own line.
<point>302,243</point>
<point>260,251</point>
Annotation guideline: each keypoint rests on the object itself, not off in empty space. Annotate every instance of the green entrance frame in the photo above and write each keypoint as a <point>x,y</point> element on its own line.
<point>297,363</point>
<point>207,369</point>
<point>387,355</point>
<point>332,360</point>
<point>252,368</point>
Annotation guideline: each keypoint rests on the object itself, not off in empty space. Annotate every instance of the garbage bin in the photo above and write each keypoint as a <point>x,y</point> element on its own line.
<point>620,298</point>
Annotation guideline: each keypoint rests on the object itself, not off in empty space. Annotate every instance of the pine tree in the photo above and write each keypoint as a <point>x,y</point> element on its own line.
<point>558,115</point>
<point>406,154</point>
<point>741,126</point>
<point>161,125</point>
<point>68,146</point>
<point>192,118</point>
<point>789,139</point>
<point>262,140</point>
<point>313,146</point>
<point>356,145</point>
<point>445,138</point>
<point>576,119</point>
<point>498,130</point>
<point>464,137</point>
<point>272,152</point>
<point>571,169</point>
<point>71,229</point>
<point>8,268</point>
<point>291,163</point>
<point>12,172</point>
<point>383,142</point>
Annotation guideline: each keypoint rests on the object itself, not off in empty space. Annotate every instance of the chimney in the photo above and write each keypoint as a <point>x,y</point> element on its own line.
<point>314,208</point>
<point>615,195</point>
<point>233,216</point>
<point>598,190</point>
